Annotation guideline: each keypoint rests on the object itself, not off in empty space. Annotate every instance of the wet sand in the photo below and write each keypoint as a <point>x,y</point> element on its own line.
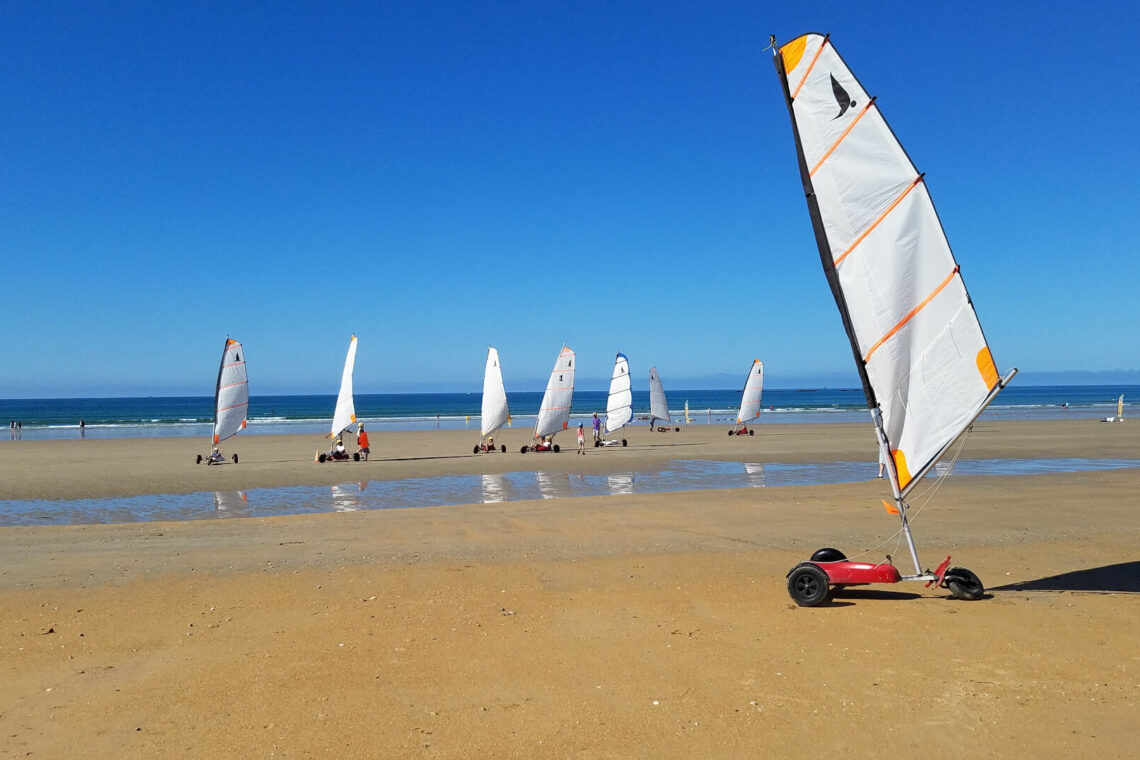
<point>650,625</point>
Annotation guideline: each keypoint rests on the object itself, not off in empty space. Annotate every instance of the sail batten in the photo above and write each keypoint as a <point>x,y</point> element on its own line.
<point>619,404</point>
<point>916,340</point>
<point>231,395</point>
<point>494,412</point>
<point>554,410</point>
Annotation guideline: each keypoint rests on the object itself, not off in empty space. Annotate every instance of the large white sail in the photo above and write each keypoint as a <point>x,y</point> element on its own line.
<point>554,411</point>
<point>345,413</point>
<point>658,408</point>
<point>231,397</point>
<point>919,348</point>
<point>495,412</point>
<point>619,406</point>
<point>753,389</point>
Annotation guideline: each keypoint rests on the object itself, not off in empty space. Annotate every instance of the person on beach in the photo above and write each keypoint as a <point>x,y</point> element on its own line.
<point>82,428</point>
<point>215,457</point>
<point>581,440</point>
<point>597,428</point>
<point>362,442</point>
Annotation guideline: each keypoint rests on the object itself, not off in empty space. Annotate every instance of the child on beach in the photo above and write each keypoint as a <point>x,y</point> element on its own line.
<point>581,440</point>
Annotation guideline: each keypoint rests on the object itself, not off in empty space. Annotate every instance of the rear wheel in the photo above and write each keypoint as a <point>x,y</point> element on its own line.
<point>808,585</point>
<point>751,432</point>
<point>731,433</point>
<point>356,457</point>
<point>597,444</point>
<point>504,449</point>
<point>522,450</point>
<point>323,458</point>
<point>475,450</point>
<point>199,460</point>
<point>963,584</point>
<point>556,448</point>
<point>624,442</point>
<point>235,458</point>
<point>676,430</point>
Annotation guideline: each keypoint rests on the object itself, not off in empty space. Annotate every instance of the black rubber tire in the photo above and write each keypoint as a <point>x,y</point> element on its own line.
<point>808,585</point>
<point>235,458</point>
<point>597,444</point>
<point>556,448</point>
<point>963,584</point>
<point>356,457</point>
<point>676,430</point>
<point>504,449</point>
<point>522,450</point>
<point>199,461</point>
<point>624,442</point>
<point>323,458</point>
<point>731,433</point>
<point>751,432</point>
<point>828,555</point>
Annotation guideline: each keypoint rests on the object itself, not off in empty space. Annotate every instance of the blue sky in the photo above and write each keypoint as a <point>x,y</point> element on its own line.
<point>441,176</point>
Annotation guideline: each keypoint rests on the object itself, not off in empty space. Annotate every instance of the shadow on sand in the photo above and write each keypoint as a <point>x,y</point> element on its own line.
<point>1120,578</point>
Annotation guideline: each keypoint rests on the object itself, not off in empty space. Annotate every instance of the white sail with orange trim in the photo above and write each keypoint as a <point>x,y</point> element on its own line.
<point>554,411</point>
<point>917,342</point>
<point>495,412</point>
<point>619,405</point>
<point>753,390</point>
<point>345,413</point>
<point>231,396</point>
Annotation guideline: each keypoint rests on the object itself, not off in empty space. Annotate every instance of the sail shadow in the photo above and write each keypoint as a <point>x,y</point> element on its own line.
<point>1123,577</point>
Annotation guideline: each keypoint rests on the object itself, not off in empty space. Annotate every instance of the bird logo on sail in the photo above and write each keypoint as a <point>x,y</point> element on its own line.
<point>841,97</point>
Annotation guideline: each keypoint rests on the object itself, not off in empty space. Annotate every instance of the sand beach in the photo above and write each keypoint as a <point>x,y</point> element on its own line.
<point>642,625</point>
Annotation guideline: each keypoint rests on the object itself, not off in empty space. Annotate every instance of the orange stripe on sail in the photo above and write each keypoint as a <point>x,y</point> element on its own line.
<point>910,315</point>
<point>835,145</point>
<point>810,66</point>
<point>882,216</point>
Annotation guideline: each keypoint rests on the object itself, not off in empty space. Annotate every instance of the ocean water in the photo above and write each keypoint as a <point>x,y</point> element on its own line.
<point>189,416</point>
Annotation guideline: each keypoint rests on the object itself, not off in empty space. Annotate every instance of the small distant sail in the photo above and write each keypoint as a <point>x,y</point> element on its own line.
<point>345,413</point>
<point>688,419</point>
<point>231,397</point>
<point>554,411</point>
<point>495,412</point>
<point>1120,408</point>
<point>619,406</point>
<point>658,408</point>
<point>926,369</point>
<point>753,389</point>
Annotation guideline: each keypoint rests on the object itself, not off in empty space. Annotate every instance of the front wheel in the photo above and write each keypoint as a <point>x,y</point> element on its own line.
<point>731,433</point>
<point>235,458</point>
<point>624,442</point>
<point>199,461</point>
<point>808,585</point>
<point>522,450</point>
<point>475,450</point>
<point>751,432</point>
<point>963,584</point>
<point>323,458</point>
<point>504,449</point>
<point>556,448</point>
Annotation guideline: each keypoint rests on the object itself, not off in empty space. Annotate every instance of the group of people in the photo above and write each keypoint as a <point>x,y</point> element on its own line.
<point>597,424</point>
<point>362,449</point>
<point>16,430</point>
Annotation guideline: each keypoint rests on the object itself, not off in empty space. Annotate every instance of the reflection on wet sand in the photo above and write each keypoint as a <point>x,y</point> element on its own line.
<point>231,504</point>
<point>347,498</point>
<point>755,473</point>
<point>620,483</point>
<point>553,485</point>
<point>496,488</point>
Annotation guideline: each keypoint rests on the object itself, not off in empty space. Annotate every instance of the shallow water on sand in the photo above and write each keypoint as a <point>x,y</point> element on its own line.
<point>680,475</point>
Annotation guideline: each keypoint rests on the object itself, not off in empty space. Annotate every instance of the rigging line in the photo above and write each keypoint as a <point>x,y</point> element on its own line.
<point>911,314</point>
<point>841,137</point>
<point>810,66</point>
<point>882,216</point>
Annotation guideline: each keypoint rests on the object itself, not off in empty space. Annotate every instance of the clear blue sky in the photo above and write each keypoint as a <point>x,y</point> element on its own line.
<point>440,176</point>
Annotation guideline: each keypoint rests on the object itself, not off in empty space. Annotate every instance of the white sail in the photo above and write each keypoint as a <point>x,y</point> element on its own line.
<point>345,413</point>
<point>231,397</point>
<point>753,389</point>
<point>619,406</point>
<point>1120,408</point>
<point>658,408</point>
<point>554,411</point>
<point>917,342</point>
<point>688,419</point>
<point>494,413</point>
